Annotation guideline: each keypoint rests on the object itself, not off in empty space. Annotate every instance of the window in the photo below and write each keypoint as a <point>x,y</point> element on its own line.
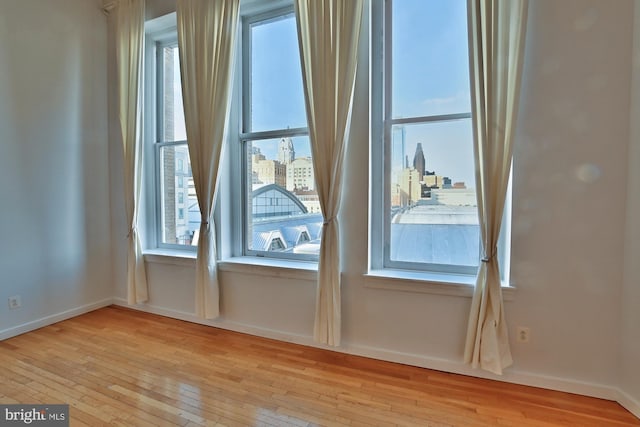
<point>270,151</point>
<point>279,192</point>
<point>424,203</point>
<point>176,227</point>
<point>277,245</point>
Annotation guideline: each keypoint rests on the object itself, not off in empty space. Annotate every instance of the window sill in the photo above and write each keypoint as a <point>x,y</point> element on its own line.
<point>428,283</point>
<point>271,267</point>
<point>171,257</point>
<point>268,267</point>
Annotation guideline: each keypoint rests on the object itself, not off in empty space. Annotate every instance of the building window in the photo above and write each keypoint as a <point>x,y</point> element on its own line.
<point>276,245</point>
<point>173,170</point>
<point>424,203</point>
<point>274,141</point>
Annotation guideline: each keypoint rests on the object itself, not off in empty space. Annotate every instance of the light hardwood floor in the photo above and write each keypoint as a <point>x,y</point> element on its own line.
<point>116,366</point>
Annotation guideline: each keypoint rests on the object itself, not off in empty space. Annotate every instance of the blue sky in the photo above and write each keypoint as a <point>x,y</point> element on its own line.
<point>276,79</point>
<point>430,59</point>
<point>276,83</point>
<point>430,76</point>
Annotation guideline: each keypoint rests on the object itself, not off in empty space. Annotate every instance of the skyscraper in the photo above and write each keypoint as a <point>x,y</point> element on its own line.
<point>300,174</point>
<point>419,161</point>
<point>398,135</point>
<point>286,152</point>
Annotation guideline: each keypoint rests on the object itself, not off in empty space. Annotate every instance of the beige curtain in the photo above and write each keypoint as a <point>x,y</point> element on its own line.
<point>129,45</point>
<point>496,39</point>
<point>206,40</point>
<point>328,32</point>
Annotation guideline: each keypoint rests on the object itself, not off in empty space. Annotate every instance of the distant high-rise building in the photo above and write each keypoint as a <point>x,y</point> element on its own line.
<point>266,171</point>
<point>170,233</point>
<point>397,153</point>
<point>270,171</point>
<point>418,160</point>
<point>286,152</point>
<point>410,187</point>
<point>300,175</point>
<point>432,180</point>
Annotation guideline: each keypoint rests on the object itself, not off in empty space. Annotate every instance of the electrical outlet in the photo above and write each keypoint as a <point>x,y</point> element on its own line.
<point>522,334</point>
<point>14,302</point>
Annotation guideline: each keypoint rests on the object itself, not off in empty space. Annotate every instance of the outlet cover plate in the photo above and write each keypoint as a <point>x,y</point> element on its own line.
<point>15,302</point>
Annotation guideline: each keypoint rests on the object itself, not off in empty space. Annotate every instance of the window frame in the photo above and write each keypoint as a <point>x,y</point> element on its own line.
<point>229,217</point>
<point>158,31</point>
<point>240,143</point>
<point>382,123</point>
<point>159,143</point>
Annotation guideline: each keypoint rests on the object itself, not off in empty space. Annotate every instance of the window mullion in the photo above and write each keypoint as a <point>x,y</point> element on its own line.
<point>270,134</point>
<point>427,119</point>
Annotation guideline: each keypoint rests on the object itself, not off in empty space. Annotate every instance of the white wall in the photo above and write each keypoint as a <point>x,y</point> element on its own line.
<point>630,336</point>
<point>54,216</point>
<point>569,188</point>
<point>568,226</point>
<point>118,224</point>
<point>155,8</point>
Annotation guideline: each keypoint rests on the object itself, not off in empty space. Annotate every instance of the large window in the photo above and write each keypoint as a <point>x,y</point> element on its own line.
<point>429,217</point>
<point>281,213</point>
<point>276,212</point>
<point>178,214</point>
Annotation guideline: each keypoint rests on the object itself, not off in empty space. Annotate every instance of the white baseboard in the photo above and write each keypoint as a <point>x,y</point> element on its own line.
<point>629,403</point>
<point>452,366</point>
<point>54,318</point>
<point>227,325</point>
<point>510,376</point>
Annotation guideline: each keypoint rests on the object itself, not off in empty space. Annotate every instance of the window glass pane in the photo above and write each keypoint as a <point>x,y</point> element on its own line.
<point>430,62</point>
<point>283,211</point>
<point>180,214</point>
<point>173,127</point>
<point>433,216</point>
<point>277,96</point>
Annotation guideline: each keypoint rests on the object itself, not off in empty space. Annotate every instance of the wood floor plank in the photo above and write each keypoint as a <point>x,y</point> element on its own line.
<point>121,367</point>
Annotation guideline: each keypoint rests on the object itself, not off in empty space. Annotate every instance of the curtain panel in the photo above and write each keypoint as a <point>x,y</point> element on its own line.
<point>496,40</point>
<point>129,49</point>
<point>206,42</point>
<point>328,33</point>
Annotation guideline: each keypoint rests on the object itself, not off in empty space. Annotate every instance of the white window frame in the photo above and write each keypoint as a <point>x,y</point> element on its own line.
<point>241,120</point>
<point>159,144</point>
<point>229,219</point>
<point>382,123</point>
<point>159,33</point>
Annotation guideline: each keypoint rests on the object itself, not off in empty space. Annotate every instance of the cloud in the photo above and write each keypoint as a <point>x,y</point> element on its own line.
<point>458,103</point>
<point>440,101</point>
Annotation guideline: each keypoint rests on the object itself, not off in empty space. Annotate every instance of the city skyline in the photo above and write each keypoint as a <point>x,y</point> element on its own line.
<point>447,148</point>
<point>429,77</point>
<point>269,147</point>
<point>430,66</point>
<point>278,95</point>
